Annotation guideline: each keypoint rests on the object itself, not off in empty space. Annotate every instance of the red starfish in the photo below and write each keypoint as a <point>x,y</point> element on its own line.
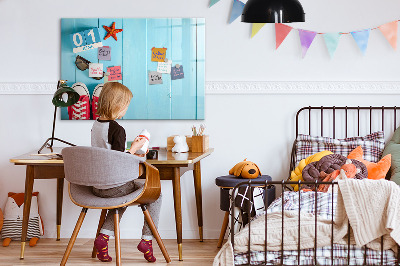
<point>111,31</point>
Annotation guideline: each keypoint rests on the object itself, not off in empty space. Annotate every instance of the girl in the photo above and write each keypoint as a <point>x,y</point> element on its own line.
<point>106,133</point>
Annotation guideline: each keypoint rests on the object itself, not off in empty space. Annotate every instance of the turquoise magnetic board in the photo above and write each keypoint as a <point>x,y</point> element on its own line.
<point>184,38</point>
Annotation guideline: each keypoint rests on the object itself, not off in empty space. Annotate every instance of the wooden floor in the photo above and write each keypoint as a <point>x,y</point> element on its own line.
<point>50,252</point>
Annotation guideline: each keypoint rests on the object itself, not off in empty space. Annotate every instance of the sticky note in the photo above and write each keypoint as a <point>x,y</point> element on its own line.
<point>158,54</point>
<point>155,78</point>
<point>177,72</point>
<point>104,53</point>
<point>95,70</point>
<point>164,67</point>
<point>115,73</point>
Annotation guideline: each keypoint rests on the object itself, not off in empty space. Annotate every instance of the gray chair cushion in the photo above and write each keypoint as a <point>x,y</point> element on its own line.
<point>84,196</point>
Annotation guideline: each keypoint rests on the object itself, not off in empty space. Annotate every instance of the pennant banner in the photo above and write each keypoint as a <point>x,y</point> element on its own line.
<point>361,38</point>
<point>213,2</point>
<point>389,30</point>
<point>332,41</point>
<point>281,31</point>
<point>237,9</point>
<point>306,39</point>
<point>256,28</point>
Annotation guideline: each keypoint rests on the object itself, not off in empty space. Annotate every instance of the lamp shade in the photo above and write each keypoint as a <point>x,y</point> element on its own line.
<point>273,11</point>
<point>65,96</point>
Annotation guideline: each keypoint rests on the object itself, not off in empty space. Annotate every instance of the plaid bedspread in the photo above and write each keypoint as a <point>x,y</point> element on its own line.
<point>321,205</point>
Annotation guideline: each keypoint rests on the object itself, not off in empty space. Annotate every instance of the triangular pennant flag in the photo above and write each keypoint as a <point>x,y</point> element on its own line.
<point>332,41</point>
<point>361,37</point>
<point>256,28</point>
<point>306,39</point>
<point>237,9</point>
<point>389,30</point>
<point>281,31</point>
<point>213,2</point>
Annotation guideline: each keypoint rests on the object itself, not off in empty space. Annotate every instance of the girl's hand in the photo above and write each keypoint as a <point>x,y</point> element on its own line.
<point>137,144</point>
<point>142,155</point>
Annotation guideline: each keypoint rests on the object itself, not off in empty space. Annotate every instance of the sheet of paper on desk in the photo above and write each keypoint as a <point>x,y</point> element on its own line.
<point>155,78</point>
<point>115,73</point>
<point>104,53</point>
<point>95,70</point>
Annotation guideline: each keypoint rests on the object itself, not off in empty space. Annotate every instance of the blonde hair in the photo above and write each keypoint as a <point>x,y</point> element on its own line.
<point>114,97</point>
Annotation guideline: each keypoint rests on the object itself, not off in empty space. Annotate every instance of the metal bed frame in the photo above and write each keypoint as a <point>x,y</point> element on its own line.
<point>283,184</point>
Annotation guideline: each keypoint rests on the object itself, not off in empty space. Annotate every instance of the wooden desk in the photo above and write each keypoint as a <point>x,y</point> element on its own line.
<point>169,165</point>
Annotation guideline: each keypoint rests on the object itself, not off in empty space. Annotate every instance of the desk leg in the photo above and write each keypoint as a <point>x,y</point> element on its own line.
<point>199,204</point>
<point>27,206</point>
<point>176,182</point>
<point>60,190</point>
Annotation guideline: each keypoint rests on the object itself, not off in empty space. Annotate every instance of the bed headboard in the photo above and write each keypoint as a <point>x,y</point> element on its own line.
<point>344,121</point>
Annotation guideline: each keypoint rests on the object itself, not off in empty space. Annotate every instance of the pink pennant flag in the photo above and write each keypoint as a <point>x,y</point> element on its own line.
<point>281,31</point>
<point>389,30</point>
<point>306,39</point>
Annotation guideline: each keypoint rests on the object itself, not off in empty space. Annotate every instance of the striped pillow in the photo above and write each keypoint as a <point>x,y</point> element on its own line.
<point>372,145</point>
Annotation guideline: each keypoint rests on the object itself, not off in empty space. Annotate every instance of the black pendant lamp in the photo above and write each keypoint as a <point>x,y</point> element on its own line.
<point>273,11</point>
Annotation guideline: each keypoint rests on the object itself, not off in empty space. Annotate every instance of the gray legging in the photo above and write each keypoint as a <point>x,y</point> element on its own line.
<point>154,208</point>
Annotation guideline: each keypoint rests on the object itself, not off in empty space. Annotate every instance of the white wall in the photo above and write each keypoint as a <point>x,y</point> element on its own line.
<point>259,127</point>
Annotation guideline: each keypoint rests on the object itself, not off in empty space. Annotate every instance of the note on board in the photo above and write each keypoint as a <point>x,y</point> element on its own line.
<point>155,78</point>
<point>104,53</point>
<point>177,72</point>
<point>158,54</point>
<point>115,73</point>
<point>95,70</point>
<point>164,67</point>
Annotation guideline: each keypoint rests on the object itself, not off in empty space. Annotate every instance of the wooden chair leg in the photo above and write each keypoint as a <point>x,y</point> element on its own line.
<point>73,237</point>
<point>117,238</point>
<point>154,230</point>
<point>223,229</point>
<point>101,222</point>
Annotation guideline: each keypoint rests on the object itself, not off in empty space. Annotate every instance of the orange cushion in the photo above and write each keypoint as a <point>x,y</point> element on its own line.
<point>375,170</point>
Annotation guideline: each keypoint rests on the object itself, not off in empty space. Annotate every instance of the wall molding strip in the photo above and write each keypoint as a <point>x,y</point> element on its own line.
<point>248,87</point>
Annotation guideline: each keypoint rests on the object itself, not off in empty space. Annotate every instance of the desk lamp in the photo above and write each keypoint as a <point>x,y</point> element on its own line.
<point>63,97</point>
<point>273,11</point>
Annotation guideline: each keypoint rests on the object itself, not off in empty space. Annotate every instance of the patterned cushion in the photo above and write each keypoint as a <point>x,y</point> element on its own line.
<point>372,144</point>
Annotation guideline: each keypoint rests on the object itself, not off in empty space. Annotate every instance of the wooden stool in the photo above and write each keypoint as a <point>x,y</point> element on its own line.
<point>226,183</point>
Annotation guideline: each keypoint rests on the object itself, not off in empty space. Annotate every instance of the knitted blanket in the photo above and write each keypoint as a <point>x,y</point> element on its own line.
<point>371,207</point>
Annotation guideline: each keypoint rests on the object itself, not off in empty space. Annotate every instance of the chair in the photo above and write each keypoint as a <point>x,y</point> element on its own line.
<point>85,167</point>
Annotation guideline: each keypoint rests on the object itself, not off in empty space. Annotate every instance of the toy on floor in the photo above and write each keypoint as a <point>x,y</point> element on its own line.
<point>1,219</point>
<point>245,169</point>
<point>13,215</point>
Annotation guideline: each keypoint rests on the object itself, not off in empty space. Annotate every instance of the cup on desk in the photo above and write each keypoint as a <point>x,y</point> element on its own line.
<point>152,155</point>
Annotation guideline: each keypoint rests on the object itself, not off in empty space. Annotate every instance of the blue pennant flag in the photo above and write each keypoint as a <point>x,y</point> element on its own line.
<point>237,9</point>
<point>332,41</point>
<point>213,2</point>
<point>361,37</point>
